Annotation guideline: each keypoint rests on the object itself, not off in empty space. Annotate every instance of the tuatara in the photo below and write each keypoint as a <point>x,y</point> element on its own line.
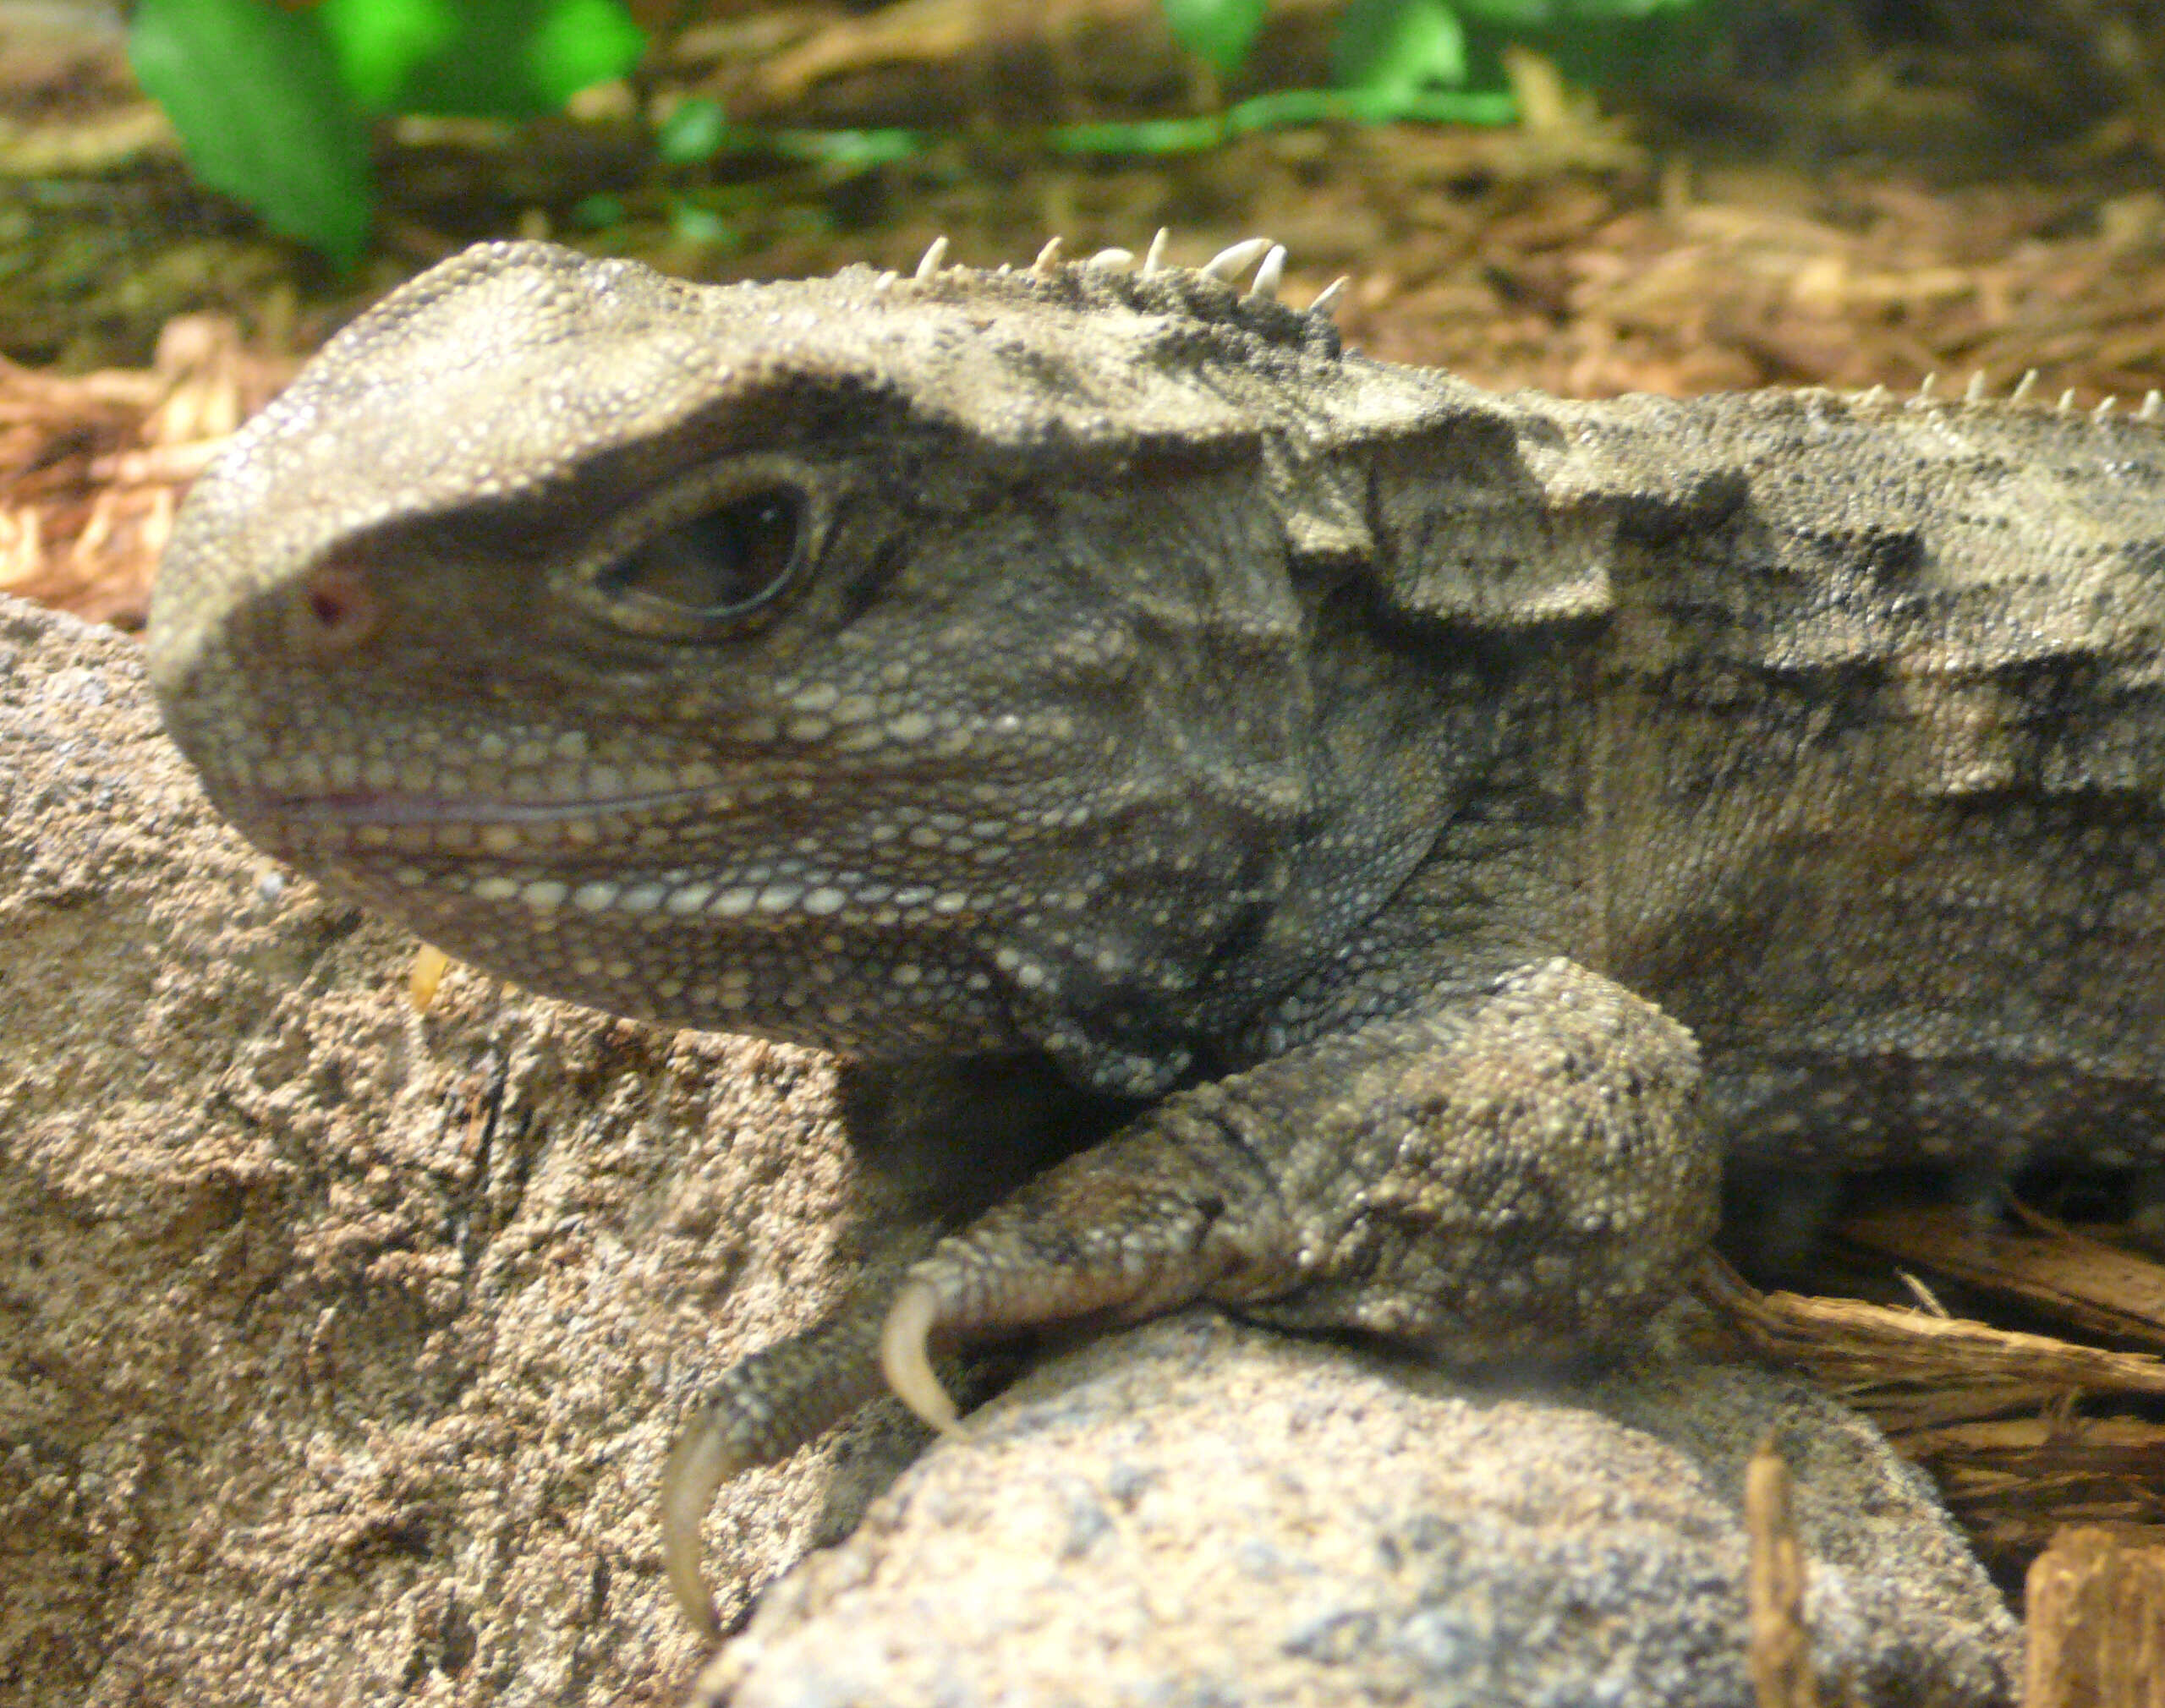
<point>1393,838</point>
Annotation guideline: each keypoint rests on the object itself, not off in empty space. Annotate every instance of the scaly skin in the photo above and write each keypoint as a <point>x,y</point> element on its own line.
<point>1317,795</point>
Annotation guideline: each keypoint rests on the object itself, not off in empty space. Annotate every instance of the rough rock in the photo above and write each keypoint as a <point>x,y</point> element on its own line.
<point>341,1342</point>
<point>1202,1513</point>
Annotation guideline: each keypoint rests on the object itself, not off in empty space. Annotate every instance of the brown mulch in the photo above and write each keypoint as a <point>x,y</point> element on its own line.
<point>2048,1448</point>
<point>92,468</point>
<point>2026,1431</point>
<point>1563,259</point>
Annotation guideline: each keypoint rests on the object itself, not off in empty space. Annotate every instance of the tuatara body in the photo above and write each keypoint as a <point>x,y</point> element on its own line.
<point>1393,837</point>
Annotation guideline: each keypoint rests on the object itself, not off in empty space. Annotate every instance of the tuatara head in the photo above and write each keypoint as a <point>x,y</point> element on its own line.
<point>898,665</point>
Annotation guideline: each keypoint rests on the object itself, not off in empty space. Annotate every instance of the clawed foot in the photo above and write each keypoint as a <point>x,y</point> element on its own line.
<point>1137,1227</point>
<point>1515,1175</point>
<point>765,1409</point>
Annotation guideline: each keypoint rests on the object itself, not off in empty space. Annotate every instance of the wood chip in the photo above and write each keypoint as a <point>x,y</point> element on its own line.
<point>1779,1652</point>
<point>1859,1349</point>
<point>93,467</point>
<point>2097,1288</point>
<point>2096,1607</point>
<point>1996,1416</point>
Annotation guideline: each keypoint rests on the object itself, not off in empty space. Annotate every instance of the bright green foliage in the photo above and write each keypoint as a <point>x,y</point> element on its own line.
<point>575,44</point>
<point>379,41</point>
<point>498,59</point>
<point>256,94</point>
<point>1281,108</point>
<point>1600,42</point>
<point>1426,61</point>
<point>1407,45</point>
<point>1390,52</point>
<point>698,130</point>
<point>272,103</point>
<point>1398,46</point>
<point>1220,31</point>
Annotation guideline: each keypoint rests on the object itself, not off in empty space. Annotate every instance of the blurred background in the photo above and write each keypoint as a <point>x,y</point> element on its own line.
<point>1586,195</point>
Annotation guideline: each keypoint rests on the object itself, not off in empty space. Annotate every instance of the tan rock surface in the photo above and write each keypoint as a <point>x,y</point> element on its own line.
<point>340,1346</point>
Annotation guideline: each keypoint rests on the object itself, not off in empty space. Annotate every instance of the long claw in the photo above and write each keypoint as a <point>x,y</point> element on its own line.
<point>762,1410</point>
<point>905,1359</point>
<point>700,1464</point>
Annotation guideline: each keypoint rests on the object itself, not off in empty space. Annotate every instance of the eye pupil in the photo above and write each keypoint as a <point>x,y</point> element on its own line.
<point>721,563</point>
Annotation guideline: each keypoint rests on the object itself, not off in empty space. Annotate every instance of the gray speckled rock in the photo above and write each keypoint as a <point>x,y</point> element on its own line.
<point>340,1346</point>
<point>1199,1512</point>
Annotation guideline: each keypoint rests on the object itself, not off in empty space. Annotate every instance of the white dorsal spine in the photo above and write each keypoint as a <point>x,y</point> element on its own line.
<point>1231,262</point>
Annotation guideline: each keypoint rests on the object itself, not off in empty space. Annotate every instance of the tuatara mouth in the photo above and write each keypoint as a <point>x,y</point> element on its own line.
<point>375,807</point>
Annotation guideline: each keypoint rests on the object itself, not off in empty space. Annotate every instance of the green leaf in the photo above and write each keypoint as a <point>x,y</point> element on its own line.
<point>1563,14</point>
<point>1601,43</point>
<point>691,130</point>
<point>1138,136</point>
<point>690,223</point>
<point>256,94</point>
<point>1220,31</point>
<point>1398,46</point>
<point>1282,108</point>
<point>849,150</point>
<point>378,42</point>
<point>575,44</point>
<point>1511,15</point>
<point>1286,107</point>
<point>481,58</point>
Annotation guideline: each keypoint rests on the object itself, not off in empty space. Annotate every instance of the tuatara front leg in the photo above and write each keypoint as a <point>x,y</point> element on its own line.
<point>1515,1176</point>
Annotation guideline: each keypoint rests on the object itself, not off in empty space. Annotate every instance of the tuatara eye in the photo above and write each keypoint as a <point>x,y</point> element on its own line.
<point>714,566</point>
